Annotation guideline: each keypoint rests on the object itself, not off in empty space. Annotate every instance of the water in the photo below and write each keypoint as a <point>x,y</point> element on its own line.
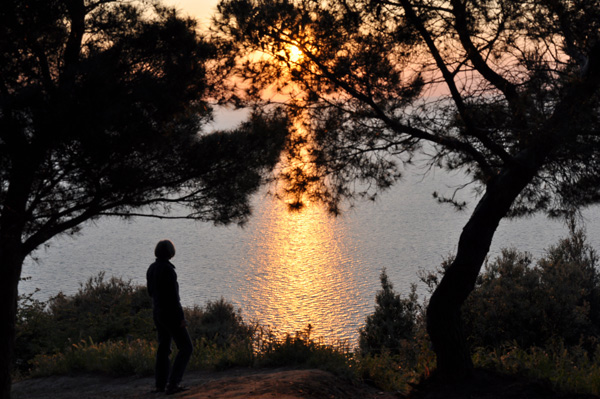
<point>287,270</point>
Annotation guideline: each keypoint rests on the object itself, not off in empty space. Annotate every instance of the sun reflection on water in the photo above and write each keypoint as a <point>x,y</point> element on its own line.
<point>301,267</point>
<point>299,280</point>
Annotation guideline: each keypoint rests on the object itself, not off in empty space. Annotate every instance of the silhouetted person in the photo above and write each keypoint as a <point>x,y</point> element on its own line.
<point>169,320</point>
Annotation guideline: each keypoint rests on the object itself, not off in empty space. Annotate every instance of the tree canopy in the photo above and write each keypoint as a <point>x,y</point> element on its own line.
<point>103,104</point>
<point>503,91</point>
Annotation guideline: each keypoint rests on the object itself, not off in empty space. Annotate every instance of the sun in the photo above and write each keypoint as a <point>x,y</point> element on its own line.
<point>295,53</point>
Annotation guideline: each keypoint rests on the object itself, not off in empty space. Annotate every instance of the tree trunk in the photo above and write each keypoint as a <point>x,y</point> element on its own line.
<point>444,323</point>
<point>11,263</point>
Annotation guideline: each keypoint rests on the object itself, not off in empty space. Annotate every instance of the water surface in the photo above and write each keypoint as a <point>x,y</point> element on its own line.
<point>284,269</point>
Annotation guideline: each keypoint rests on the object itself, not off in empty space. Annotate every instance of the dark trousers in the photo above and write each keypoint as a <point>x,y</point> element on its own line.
<point>168,332</point>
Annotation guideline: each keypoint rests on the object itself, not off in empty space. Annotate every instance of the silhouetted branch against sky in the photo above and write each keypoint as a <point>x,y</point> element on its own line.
<point>477,81</point>
<point>503,91</point>
<point>101,106</point>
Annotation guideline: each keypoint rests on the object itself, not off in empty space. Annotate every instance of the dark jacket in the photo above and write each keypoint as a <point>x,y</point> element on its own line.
<point>164,290</point>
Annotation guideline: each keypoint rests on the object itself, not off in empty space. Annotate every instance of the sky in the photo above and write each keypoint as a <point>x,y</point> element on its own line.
<point>202,10</point>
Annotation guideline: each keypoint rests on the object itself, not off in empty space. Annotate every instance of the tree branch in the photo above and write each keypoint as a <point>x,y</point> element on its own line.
<point>148,215</point>
<point>448,76</point>
<point>507,88</point>
<point>43,235</point>
<point>77,13</point>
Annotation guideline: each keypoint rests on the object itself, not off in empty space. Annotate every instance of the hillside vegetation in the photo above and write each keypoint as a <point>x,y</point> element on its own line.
<point>533,319</point>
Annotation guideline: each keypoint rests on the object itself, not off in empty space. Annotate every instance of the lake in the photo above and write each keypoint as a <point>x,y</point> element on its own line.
<point>286,270</point>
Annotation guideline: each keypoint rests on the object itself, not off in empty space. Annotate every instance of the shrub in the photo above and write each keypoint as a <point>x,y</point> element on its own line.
<point>301,350</point>
<point>558,298</point>
<point>114,358</point>
<point>570,369</point>
<point>397,373</point>
<point>33,330</point>
<point>393,322</point>
<point>101,311</point>
<point>539,319</point>
<point>504,306</point>
<point>209,355</point>
<point>218,322</point>
<point>570,282</point>
<point>395,350</point>
<point>106,316</point>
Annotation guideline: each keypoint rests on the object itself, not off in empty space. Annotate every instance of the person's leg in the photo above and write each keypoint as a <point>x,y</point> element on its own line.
<point>163,363</point>
<point>184,345</point>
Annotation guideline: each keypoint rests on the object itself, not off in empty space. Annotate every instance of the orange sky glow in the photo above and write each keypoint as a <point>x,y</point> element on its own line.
<point>202,10</point>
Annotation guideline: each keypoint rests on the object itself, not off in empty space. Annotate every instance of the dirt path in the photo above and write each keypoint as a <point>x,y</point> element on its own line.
<point>282,384</point>
<point>230,384</point>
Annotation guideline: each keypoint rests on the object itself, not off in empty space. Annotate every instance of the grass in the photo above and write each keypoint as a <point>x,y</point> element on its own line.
<point>301,350</point>
<point>561,348</point>
<point>389,372</point>
<point>137,356</point>
<point>114,358</point>
<point>567,369</point>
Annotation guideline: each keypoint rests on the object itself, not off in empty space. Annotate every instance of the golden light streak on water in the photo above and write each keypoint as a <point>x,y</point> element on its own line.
<point>299,281</point>
<point>305,274</point>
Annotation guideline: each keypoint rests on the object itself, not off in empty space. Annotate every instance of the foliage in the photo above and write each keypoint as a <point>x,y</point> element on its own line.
<point>33,325</point>
<point>533,318</point>
<point>505,92</point>
<point>221,338</point>
<point>398,372</point>
<point>103,104</point>
<point>571,369</point>
<point>210,355</point>
<point>393,322</point>
<point>134,357</point>
<point>300,350</point>
<point>102,310</point>
<point>557,298</point>
<point>137,356</point>
<point>115,310</point>
<point>218,322</point>
<point>394,350</point>
<point>114,358</point>
<point>118,89</point>
<point>505,339</point>
<point>101,327</point>
<point>377,79</point>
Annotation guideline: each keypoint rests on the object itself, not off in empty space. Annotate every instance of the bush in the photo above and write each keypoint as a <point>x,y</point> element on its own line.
<point>218,322</point>
<point>300,350</point>
<point>504,306</point>
<point>222,338</point>
<point>114,358</point>
<point>571,369</point>
<point>33,330</point>
<point>395,350</point>
<point>539,319</point>
<point>558,298</point>
<point>108,316</point>
<point>393,323</point>
<point>397,373</point>
<point>570,282</point>
<point>103,310</point>
<point>100,311</point>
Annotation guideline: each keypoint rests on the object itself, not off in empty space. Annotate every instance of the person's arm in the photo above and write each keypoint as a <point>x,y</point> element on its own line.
<point>172,297</point>
<point>150,279</point>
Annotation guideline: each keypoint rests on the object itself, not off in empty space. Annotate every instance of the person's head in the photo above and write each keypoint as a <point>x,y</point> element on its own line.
<point>164,250</point>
